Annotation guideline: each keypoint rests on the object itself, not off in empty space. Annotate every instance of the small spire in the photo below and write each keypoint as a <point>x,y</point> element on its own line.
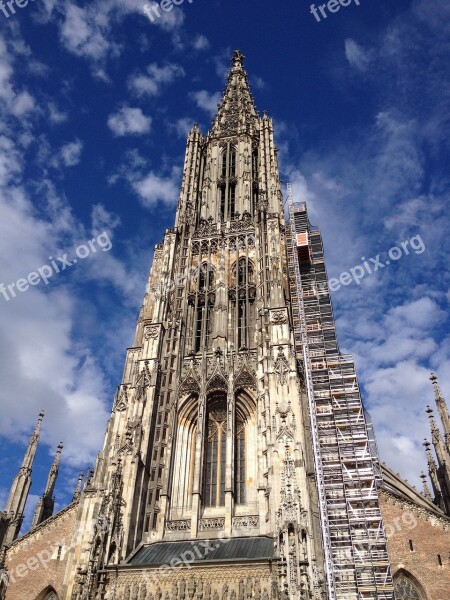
<point>46,505</point>
<point>442,409</point>
<point>89,476</point>
<point>77,492</point>
<point>426,489</point>
<point>436,437</point>
<point>20,488</point>
<point>236,111</point>
<point>430,460</point>
<point>238,59</point>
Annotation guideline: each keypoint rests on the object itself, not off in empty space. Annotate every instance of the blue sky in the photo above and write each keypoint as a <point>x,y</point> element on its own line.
<point>95,104</point>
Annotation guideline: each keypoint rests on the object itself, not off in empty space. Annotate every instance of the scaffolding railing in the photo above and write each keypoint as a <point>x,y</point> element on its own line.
<point>345,455</point>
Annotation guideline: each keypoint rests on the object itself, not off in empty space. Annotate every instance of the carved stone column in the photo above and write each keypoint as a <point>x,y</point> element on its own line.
<point>198,465</point>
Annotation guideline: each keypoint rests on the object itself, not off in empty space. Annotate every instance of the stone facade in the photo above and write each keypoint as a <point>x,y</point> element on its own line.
<point>232,582</point>
<point>418,546</point>
<point>210,436</point>
<point>36,563</point>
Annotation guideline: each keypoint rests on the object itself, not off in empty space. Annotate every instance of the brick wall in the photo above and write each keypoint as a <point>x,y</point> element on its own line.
<point>415,539</point>
<point>38,561</point>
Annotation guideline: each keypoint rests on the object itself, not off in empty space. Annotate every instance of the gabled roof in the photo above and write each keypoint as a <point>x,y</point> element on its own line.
<point>395,485</point>
<point>202,551</point>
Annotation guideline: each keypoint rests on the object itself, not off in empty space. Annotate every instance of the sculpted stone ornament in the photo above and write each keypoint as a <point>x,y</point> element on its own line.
<point>181,525</point>
<point>278,317</point>
<point>281,367</point>
<point>151,332</point>
<point>217,523</point>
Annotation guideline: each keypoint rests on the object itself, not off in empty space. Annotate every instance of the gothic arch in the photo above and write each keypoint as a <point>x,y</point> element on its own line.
<point>407,587</point>
<point>245,448</point>
<point>215,447</point>
<point>48,594</point>
<point>183,466</point>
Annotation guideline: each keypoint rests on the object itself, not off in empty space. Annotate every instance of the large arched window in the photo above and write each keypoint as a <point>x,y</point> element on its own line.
<point>239,462</point>
<point>184,459</point>
<point>244,298</point>
<point>227,183</point>
<point>215,454</point>
<point>203,301</point>
<point>406,588</point>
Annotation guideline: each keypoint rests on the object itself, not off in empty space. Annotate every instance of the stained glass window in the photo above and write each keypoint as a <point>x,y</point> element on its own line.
<point>405,589</point>
<point>215,463</point>
<point>239,463</point>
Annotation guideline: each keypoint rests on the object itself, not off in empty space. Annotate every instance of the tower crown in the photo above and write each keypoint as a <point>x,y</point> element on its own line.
<point>236,112</point>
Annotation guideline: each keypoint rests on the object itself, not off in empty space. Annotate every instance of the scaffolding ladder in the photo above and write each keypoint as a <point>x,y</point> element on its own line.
<point>345,455</point>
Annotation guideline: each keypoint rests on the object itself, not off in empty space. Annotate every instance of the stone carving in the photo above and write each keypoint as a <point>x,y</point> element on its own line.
<point>213,523</point>
<point>281,367</point>
<point>245,380</point>
<point>121,401</point>
<point>278,317</point>
<point>217,383</point>
<point>190,385</point>
<point>180,525</point>
<point>246,522</point>
<point>151,332</point>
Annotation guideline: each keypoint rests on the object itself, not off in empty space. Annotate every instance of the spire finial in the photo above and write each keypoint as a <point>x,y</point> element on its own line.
<point>77,492</point>
<point>443,412</point>
<point>46,505</point>
<point>238,59</point>
<point>426,489</point>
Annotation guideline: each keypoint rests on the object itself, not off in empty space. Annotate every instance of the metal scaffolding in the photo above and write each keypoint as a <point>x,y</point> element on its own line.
<point>346,459</point>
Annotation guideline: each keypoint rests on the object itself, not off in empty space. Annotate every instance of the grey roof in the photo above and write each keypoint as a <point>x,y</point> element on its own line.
<point>195,551</point>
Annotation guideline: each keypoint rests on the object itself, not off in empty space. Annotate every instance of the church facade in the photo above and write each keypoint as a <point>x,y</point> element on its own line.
<point>238,462</point>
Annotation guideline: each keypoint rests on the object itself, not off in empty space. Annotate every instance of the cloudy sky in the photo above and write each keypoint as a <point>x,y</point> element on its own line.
<point>95,104</point>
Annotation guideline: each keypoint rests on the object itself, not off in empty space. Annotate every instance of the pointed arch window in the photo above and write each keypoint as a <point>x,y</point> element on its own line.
<point>243,297</point>
<point>255,177</point>
<point>215,455</point>
<point>239,462</point>
<point>202,302</point>
<point>232,162</point>
<point>227,183</point>
<point>224,163</point>
<point>406,589</point>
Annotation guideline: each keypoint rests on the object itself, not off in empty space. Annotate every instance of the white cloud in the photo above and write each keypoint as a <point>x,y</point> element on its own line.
<point>356,55</point>
<point>85,34</point>
<point>200,43</point>
<point>157,78</point>
<point>257,82</point>
<point>182,126</point>
<point>154,188</point>
<point>207,101</point>
<point>55,115</point>
<point>71,153</point>
<point>168,21</point>
<point>129,121</point>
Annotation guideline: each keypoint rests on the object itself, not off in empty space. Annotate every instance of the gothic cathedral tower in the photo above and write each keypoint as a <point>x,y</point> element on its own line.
<point>209,482</point>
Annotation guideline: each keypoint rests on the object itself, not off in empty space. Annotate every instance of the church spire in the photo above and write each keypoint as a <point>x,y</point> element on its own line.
<point>77,492</point>
<point>46,504</point>
<point>432,472</point>
<point>442,410</point>
<point>436,438</point>
<point>236,113</point>
<point>20,488</point>
<point>426,489</point>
